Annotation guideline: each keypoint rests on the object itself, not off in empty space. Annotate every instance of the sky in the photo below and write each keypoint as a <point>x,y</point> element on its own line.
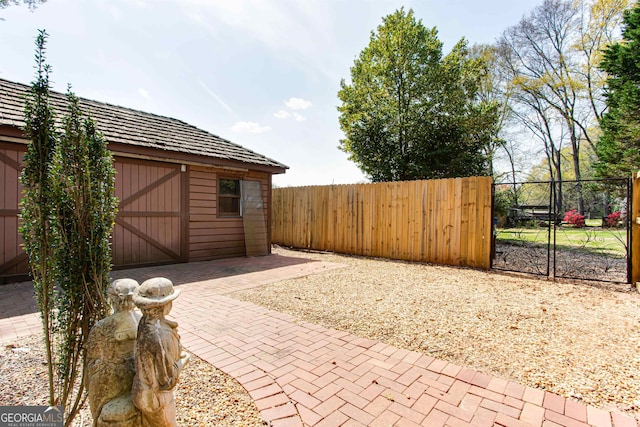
<point>261,73</point>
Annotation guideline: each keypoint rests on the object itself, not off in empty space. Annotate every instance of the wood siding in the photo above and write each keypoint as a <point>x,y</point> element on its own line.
<point>440,221</point>
<point>166,214</point>
<point>212,236</point>
<point>13,260</point>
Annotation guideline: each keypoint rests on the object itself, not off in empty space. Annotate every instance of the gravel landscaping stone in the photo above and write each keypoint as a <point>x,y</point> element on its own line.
<point>204,395</point>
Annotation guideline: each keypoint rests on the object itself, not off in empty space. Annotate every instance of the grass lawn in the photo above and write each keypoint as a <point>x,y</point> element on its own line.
<point>609,241</point>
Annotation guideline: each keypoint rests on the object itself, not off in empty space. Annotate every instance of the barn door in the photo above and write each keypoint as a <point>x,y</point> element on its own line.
<point>150,222</point>
<point>253,219</point>
<point>13,260</point>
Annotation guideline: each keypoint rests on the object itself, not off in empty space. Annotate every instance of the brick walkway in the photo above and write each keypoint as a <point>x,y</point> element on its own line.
<point>299,373</point>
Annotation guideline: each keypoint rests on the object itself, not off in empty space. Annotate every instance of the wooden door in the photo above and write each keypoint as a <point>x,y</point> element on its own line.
<point>13,260</point>
<point>149,226</point>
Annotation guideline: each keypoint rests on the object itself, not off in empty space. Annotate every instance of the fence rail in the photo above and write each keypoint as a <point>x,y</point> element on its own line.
<point>445,221</point>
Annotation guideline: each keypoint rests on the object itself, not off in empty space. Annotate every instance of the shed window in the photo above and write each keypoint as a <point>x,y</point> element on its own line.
<point>229,197</point>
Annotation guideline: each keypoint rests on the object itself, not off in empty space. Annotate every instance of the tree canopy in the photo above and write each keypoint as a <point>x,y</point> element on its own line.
<point>411,113</point>
<point>32,4</point>
<point>618,148</point>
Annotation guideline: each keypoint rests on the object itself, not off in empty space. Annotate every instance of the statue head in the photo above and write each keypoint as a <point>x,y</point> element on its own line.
<point>121,294</point>
<point>155,295</point>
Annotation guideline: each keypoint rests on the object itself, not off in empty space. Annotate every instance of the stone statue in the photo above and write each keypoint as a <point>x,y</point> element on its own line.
<point>159,356</point>
<point>109,368</point>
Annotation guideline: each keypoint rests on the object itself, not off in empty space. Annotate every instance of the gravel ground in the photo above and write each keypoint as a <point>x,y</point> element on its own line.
<point>577,340</point>
<point>204,395</point>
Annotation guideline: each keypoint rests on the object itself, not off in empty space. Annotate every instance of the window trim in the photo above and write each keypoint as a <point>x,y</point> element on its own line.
<point>237,214</point>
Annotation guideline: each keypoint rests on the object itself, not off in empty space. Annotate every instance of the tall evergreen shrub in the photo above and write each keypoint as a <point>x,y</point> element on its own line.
<point>68,213</point>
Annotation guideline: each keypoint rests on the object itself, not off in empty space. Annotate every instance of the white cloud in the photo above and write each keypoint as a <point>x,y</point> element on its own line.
<point>297,103</point>
<point>249,127</point>
<point>282,114</point>
<point>144,93</point>
<point>294,104</point>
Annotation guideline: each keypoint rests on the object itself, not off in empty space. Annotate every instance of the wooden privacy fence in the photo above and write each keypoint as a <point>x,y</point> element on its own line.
<point>446,221</point>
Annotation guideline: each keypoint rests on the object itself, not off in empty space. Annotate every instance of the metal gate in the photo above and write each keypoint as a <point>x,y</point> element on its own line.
<point>566,229</point>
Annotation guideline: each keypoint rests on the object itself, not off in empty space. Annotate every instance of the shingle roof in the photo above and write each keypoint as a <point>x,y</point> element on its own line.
<point>137,128</point>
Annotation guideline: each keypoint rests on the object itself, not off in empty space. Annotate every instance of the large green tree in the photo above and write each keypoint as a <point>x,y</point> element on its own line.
<point>411,112</point>
<point>618,148</point>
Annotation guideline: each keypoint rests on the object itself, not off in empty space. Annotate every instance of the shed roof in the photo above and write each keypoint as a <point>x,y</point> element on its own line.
<point>122,125</point>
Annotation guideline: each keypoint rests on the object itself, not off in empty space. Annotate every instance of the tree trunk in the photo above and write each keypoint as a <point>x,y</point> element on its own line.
<point>559,194</point>
<point>575,146</point>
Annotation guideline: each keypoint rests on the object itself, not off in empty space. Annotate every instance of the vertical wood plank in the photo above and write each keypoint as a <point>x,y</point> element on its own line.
<point>290,225</point>
<point>366,220</point>
<point>348,214</point>
<point>393,220</point>
<point>473,220</point>
<point>456,221</point>
<point>275,216</point>
<point>127,254</point>
<point>308,219</point>
<point>422,230</point>
<point>483,240</point>
<point>317,219</point>
<point>464,221</point>
<point>185,211</point>
<point>412,217</point>
<point>405,218</point>
<point>448,223</point>
<point>438,208</point>
<point>359,236</point>
<point>338,224</point>
<point>431,221</point>
<point>387,202</point>
<point>286,211</point>
<point>488,223</point>
<point>635,229</point>
<point>379,225</point>
<point>300,202</point>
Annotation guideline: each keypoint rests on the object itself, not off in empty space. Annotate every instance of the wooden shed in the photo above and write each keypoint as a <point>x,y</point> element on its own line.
<point>185,194</point>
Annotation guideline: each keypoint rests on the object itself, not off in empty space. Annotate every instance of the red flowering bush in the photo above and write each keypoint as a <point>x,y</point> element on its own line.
<point>574,218</point>
<point>613,219</point>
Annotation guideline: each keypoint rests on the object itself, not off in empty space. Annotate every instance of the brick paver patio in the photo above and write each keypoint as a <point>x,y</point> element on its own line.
<point>299,373</point>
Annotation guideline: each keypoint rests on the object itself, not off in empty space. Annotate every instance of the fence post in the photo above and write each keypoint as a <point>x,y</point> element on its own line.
<point>635,229</point>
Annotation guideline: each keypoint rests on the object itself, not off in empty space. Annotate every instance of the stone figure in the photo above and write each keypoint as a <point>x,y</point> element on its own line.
<point>159,356</point>
<point>109,368</point>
